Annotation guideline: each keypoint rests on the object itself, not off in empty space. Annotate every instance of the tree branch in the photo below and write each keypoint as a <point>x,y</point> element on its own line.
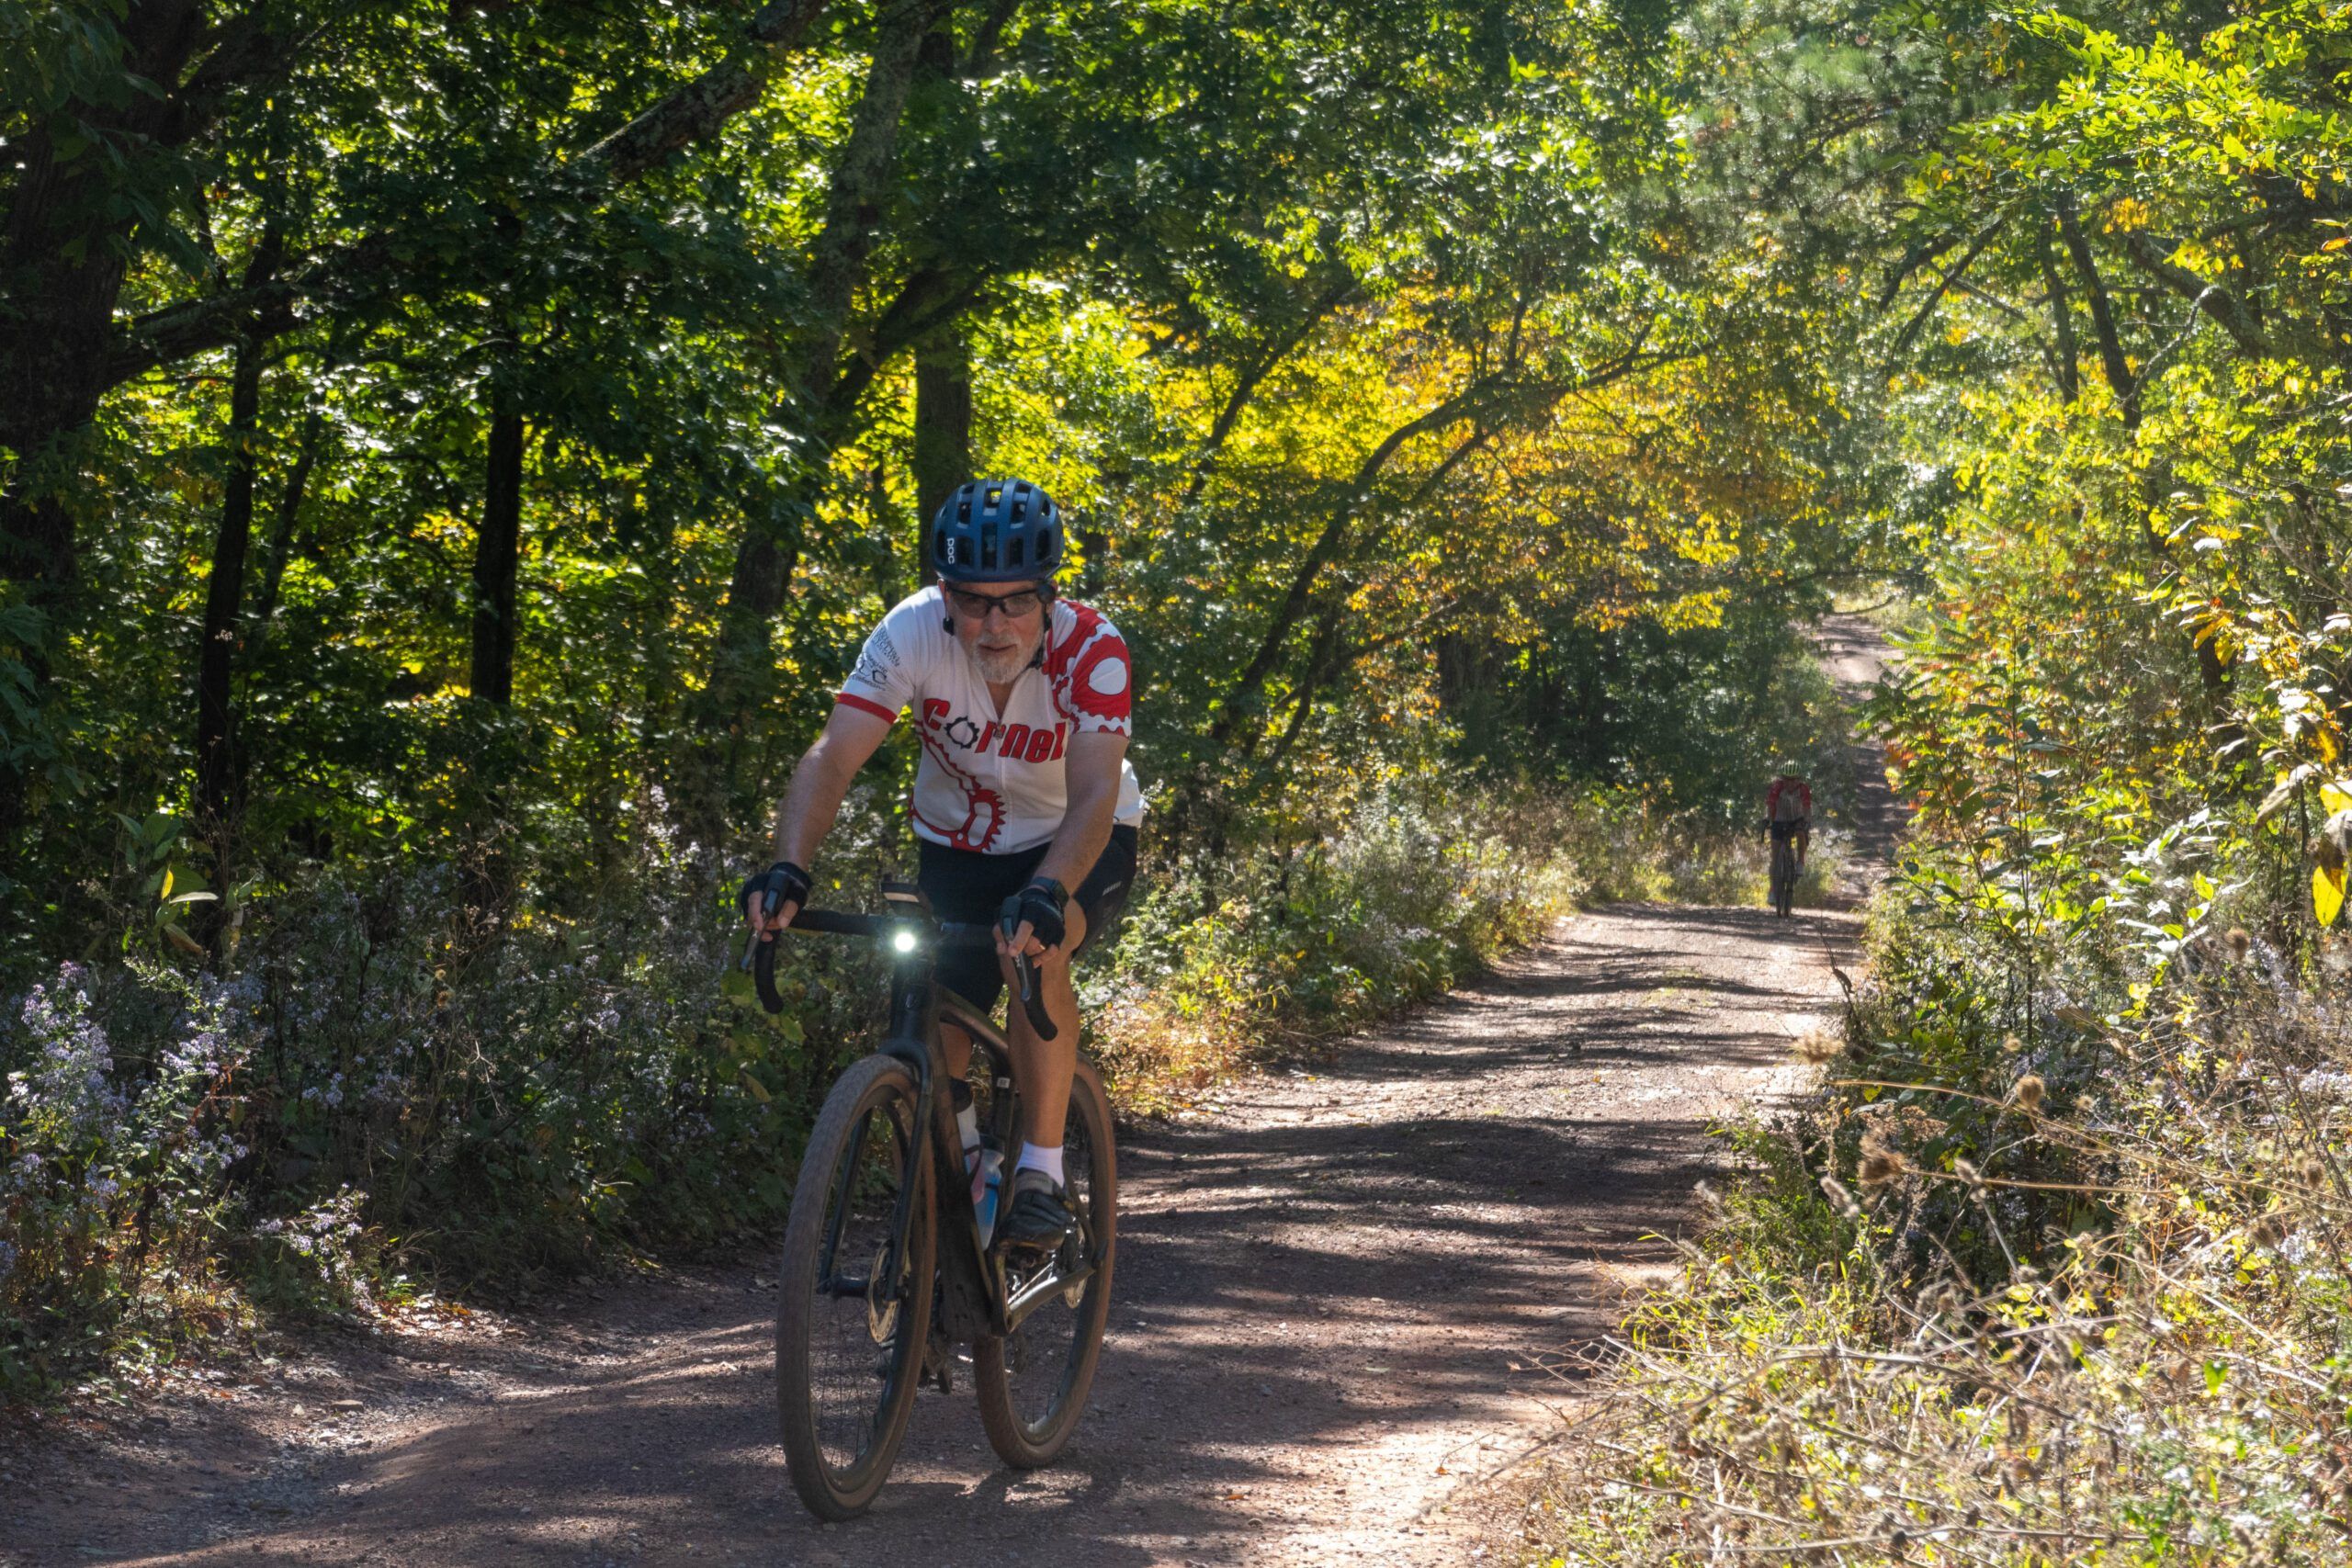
<point>2068,368</point>
<point>1975,248</point>
<point>932,296</point>
<point>2235,315</point>
<point>1247,387</point>
<point>2119,378</point>
<point>695,110</point>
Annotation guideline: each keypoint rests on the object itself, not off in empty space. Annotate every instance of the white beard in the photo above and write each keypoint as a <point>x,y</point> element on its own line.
<point>1003,668</point>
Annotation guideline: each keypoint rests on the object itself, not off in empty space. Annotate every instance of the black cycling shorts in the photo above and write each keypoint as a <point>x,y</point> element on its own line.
<point>964,885</point>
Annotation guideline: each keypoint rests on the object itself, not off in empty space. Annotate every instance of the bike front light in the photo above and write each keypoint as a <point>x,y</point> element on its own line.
<point>904,941</point>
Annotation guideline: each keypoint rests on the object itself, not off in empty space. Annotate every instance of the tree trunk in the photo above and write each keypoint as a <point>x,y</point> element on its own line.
<point>943,443</point>
<point>63,253</point>
<point>497,547</point>
<point>742,661</point>
<point>216,740</point>
<point>280,547</point>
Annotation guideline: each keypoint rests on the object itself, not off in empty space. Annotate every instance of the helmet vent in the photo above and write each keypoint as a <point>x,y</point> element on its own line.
<point>938,545</point>
<point>1012,553</point>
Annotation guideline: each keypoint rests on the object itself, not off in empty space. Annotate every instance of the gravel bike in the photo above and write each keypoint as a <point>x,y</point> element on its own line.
<point>1785,866</point>
<point>886,1265</point>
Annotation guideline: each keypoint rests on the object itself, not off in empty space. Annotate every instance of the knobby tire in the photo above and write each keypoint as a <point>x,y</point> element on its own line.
<point>829,1366</point>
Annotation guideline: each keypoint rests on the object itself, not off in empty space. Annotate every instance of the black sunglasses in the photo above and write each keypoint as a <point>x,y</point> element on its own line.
<point>1012,605</point>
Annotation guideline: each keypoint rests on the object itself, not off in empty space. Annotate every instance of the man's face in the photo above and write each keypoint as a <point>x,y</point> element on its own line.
<point>999,625</point>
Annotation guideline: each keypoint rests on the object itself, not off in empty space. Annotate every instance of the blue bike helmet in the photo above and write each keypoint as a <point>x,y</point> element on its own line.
<point>997,531</point>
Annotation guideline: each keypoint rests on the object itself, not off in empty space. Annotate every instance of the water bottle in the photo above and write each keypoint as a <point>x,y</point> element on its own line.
<point>988,1191</point>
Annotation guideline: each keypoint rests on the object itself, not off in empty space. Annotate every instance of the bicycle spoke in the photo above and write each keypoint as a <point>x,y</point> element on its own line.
<point>851,1342</point>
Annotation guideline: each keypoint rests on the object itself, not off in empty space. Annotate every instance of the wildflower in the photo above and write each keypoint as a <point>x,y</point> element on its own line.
<point>2030,1091</point>
<point>2269,1230</point>
<point>2240,942</point>
<point>1966,1170</point>
<point>2324,1084</point>
<point>1881,1165</point>
<point>2011,1045</point>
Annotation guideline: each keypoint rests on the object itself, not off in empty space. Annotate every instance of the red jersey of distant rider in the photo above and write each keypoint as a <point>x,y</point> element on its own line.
<point>1789,787</point>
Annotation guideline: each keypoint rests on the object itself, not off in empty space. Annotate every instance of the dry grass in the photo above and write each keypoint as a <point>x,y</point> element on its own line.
<point>2103,1323</point>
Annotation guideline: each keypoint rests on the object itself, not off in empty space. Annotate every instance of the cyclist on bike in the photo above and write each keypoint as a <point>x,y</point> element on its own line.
<point>1024,807</point>
<point>1788,809</point>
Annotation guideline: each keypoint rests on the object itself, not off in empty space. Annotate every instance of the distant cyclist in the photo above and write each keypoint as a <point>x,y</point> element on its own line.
<point>1024,808</point>
<point>1788,810</point>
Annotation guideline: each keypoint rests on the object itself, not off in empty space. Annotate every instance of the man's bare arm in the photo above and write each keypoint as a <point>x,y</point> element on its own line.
<point>1093,778</point>
<point>819,785</point>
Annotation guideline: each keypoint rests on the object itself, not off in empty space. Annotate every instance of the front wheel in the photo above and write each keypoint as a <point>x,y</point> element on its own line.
<point>854,1288</point>
<point>1033,1383</point>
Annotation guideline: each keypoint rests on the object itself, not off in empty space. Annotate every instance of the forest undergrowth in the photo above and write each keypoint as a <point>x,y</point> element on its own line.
<point>384,1102</point>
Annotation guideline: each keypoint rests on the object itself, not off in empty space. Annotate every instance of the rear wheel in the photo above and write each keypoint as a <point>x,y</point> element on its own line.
<point>855,1288</point>
<point>1033,1383</point>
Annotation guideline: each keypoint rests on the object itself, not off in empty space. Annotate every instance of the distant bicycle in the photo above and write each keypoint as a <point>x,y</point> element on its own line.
<point>1787,817</point>
<point>872,1301</point>
<point>1785,866</point>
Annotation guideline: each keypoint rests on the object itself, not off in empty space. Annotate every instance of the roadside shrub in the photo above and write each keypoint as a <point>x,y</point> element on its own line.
<point>111,1166</point>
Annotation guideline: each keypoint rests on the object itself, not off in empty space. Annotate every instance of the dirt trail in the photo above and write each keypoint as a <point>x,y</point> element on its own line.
<point>1338,1290</point>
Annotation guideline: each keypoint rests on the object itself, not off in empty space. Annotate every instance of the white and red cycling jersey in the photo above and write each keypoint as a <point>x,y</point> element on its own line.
<point>1788,799</point>
<point>989,781</point>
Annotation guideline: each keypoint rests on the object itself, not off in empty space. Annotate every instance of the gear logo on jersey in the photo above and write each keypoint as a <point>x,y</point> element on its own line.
<point>1090,673</point>
<point>963,731</point>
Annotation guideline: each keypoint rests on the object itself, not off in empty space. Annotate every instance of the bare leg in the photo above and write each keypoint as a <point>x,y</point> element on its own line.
<point>954,1049</point>
<point>1043,1068</point>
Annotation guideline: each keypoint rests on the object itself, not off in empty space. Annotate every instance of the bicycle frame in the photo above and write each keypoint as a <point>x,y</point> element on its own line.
<point>977,1294</point>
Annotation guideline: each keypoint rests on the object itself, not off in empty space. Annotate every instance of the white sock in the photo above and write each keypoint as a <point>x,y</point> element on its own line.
<point>968,1124</point>
<point>1035,1158</point>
